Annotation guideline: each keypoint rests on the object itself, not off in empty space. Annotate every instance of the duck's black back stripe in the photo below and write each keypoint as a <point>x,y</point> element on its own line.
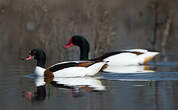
<point>106,55</point>
<point>114,53</point>
<point>62,66</point>
<point>70,64</point>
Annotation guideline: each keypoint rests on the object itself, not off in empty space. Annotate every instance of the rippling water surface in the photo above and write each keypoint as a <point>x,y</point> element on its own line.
<point>130,90</point>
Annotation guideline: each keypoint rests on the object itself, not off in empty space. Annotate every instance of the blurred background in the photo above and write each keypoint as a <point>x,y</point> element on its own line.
<point>108,25</point>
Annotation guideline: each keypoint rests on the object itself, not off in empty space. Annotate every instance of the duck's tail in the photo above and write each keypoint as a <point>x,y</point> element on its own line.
<point>96,67</point>
<point>146,57</point>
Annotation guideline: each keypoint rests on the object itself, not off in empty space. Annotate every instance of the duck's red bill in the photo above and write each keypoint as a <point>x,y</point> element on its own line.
<point>68,45</point>
<point>29,57</point>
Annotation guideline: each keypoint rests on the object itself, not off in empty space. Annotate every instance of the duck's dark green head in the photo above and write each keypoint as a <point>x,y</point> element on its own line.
<point>37,54</point>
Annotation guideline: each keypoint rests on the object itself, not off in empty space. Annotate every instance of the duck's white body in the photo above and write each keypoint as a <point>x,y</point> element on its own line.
<point>39,71</point>
<point>129,57</point>
<point>79,71</point>
<point>72,71</point>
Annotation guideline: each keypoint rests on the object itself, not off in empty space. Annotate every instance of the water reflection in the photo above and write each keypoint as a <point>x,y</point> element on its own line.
<point>130,69</point>
<point>79,84</point>
<point>124,91</point>
<point>74,86</point>
<point>86,83</point>
<point>40,93</point>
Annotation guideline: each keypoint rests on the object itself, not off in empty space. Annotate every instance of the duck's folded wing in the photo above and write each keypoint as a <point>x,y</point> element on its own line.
<point>63,65</point>
<point>101,58</point>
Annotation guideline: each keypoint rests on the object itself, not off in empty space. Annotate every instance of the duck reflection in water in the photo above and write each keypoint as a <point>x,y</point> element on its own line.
<point>76,86</point>
<point>130,69</point>
<point>40,93</point>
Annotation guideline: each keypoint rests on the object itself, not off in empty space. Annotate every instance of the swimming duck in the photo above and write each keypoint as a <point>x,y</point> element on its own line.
<point>64,69</point>
<point>122,57</point>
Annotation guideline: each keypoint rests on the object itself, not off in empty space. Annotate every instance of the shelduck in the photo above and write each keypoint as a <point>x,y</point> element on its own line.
<point>64,69</point>
<point>122,57</point>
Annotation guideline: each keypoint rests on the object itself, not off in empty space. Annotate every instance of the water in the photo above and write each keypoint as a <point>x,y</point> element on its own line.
<point>107,91</point>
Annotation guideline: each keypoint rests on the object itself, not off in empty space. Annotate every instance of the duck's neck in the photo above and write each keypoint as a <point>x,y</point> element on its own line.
<point>41,63</point>
<point>84,50</point>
